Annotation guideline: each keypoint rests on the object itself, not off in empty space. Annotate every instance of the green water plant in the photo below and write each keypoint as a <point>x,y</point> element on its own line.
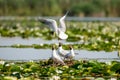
<point>44,69</point>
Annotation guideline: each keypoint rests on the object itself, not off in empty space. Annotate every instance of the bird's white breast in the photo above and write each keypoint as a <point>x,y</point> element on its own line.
<point>62,35</point>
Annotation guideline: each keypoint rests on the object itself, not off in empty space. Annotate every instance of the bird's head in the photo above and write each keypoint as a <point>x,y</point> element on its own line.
<point>52,32</point>
<point>70,47</point>
<point>60,44</point>
<point>53,47</point>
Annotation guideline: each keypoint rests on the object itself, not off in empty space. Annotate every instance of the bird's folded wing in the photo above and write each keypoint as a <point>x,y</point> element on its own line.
<point>65,52</point>
<point>67,55</point>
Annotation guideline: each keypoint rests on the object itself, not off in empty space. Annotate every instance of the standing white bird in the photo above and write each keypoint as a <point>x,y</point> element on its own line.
<point>71,54</point>
<point>60,31</point>
<point>56,58</point>
<point>61,51</point>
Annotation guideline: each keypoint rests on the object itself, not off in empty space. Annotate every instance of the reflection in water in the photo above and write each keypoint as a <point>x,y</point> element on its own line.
<point>37,54</point>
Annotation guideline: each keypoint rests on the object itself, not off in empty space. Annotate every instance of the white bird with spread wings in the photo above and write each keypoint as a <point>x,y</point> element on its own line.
<point>60,31</point>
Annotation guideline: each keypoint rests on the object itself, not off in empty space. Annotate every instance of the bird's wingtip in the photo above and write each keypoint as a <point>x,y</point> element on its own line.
<point>40,19</point>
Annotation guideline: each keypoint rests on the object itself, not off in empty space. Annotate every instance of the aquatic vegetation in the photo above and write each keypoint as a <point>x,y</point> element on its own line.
<point>92,35</point>
<point>89,35</point>
<point>45,69</point>
<point>99,46</point>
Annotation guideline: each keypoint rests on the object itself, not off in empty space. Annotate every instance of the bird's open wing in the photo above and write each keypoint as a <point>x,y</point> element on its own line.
<point>62,26</point>
<point>50,22</point>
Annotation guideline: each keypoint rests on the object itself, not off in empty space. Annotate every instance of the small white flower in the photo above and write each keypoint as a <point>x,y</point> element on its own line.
<point>18,25</point>
<point>21,68</point>
<point>12,63</point>
<point>71,70</point>
<point>55,78</point>
<point>81,37</point>
<point>7,65</point>
<point>59,71</point>
<point>89,30</point>
<point>31,61</point>
<point>2,62</point>
<point>113,40</point>
<point>15,72</point>
<point>99,38</point>
<point>82,41</point>
<point>36,28</point>
<point>17,44</point>
<point>113,79</point>
<point>22,31</point>
<point>38,34</point>
<point>113,46</point>
<point>12,30</point>
<point>31,29</point>
<point>108,63</point>
<point>10,78</point>
<point>41,44</point>
<point>86,43</point>
<point>106,41</point>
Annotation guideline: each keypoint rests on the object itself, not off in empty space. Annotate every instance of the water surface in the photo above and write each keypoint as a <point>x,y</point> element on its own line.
<point>24,54</point>
<point>38,54</point>
<point>7,41</point>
